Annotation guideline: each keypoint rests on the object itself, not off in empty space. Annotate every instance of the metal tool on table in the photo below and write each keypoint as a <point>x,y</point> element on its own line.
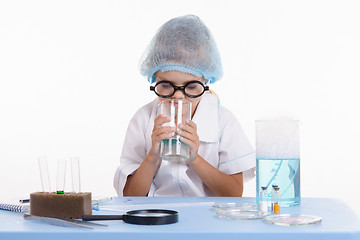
<point>63,222</point>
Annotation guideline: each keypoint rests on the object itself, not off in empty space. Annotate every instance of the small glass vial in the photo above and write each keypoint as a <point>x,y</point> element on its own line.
<point>264,200</point>
<point>275,200</point>
<point>271,209</point>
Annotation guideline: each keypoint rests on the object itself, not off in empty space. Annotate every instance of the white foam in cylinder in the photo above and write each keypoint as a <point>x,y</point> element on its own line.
<point>277,139</point>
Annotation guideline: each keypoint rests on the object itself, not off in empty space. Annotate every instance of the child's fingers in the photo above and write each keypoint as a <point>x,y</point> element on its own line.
<point>160,120</point>
<point>187,141</point>
<point>164,135</point>
<point>190,126</point>
<point>163,131</point>
<point>191,123</point>
<point>191,143</point>
<point>189,135</point>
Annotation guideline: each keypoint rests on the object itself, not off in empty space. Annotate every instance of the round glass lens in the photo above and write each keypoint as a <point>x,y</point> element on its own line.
<point>150,214</point>
<point>164,88</point>
<point>194,89</point>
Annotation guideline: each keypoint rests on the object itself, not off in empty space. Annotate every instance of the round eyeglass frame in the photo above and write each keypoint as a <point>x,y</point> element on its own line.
<point>182,88</point>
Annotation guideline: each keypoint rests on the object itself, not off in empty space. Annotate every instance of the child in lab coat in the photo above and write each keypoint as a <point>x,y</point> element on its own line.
<point>183,53</point>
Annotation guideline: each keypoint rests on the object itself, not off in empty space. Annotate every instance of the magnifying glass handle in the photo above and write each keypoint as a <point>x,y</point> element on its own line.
<point>101,217</point>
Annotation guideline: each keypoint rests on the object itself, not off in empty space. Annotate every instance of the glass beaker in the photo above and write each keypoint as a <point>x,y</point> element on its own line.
<point>172,149</point>
<point>278,159</point>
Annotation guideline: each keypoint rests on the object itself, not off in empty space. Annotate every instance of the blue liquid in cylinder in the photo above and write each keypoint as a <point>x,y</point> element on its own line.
<point>282,172</point>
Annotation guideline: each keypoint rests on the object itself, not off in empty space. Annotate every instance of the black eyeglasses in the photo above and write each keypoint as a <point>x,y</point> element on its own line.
<point>192,89</point>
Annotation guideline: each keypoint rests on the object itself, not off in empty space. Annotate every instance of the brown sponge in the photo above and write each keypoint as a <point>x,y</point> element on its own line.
<point>68,205</point>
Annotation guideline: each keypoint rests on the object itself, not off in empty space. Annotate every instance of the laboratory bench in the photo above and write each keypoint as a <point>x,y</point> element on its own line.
<point>196,220</point>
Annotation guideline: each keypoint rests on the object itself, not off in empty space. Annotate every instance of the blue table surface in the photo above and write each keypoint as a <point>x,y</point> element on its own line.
<point>197,220</point>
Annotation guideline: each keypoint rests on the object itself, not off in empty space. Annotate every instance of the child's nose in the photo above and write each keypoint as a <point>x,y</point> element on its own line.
<point>179,94</point>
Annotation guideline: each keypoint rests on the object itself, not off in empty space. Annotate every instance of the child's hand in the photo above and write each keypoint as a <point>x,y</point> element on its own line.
<point>188,133</point>
<point>159,133</point>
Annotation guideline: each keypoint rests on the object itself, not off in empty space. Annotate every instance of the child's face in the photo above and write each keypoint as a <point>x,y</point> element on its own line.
<point>180,79</point>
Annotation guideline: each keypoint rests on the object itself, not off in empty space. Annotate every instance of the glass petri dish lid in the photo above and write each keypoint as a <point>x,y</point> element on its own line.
<point>233,205</point>
<point>236,214</point>
<point>238,211</point>
<point>292,219</point>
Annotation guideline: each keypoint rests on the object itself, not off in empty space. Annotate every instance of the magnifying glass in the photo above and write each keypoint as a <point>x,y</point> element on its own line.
<point>140,217</point>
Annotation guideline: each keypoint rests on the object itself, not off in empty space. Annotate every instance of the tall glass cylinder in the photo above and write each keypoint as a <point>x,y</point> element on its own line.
<point>278,159</point>
<point>179,111</point>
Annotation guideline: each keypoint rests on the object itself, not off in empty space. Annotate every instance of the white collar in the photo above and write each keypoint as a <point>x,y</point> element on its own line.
<point>206,118</point>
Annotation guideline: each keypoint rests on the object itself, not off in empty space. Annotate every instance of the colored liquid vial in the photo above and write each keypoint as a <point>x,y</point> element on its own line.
<point>275,200</point>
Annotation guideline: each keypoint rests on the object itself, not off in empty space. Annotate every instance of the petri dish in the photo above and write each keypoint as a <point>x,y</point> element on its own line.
<point>292,219</point>
<point>238,211</point>
<point>234,205</point>
<point>236,214</point>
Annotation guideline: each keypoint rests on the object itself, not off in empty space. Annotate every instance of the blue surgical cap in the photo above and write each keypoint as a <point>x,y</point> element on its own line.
<point>183,44</point>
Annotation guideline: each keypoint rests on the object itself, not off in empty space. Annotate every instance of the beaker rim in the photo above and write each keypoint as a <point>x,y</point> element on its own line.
<point>175,100</point>
<point>280,120</point>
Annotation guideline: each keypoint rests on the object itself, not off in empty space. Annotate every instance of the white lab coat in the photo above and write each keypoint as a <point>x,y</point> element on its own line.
<point>222,143</point>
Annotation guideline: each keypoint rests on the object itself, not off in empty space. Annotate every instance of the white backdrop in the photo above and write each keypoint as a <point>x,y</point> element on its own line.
<point>69,83</point>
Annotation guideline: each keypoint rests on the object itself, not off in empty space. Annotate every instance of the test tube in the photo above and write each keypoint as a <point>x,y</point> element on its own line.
<point>75,174</point>
<point>44,174</point>
<point>264,200</point>
<point>60,183</point>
